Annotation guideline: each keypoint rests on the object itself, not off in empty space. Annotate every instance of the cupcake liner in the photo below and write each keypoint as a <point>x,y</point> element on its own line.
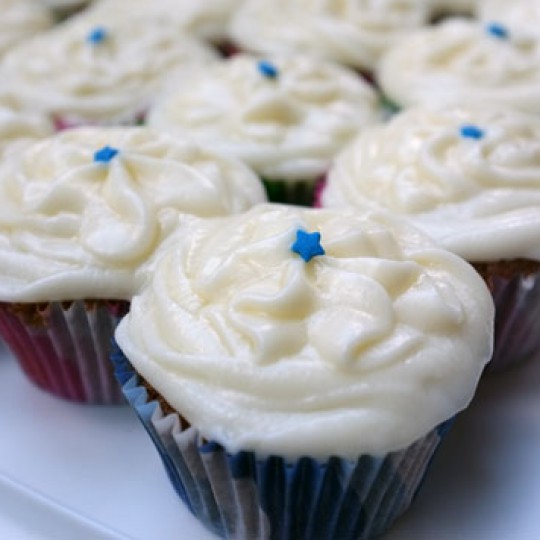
<point>64,347</point>
<point>227,48</point>
<point>62,123</point>
<point>299,192</point>
<point>517,320</point>
<point>318,192</point>
<point>242,496</point>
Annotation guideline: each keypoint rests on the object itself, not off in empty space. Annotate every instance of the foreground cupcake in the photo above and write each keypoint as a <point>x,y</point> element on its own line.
<point>348,32</point>
<point>470,178</point>
<point>307,363</point>
<point>80,214</point>
<point>83,72</point>
<point>20,20</point>
<point>286,117</point>
<point>459,61</point>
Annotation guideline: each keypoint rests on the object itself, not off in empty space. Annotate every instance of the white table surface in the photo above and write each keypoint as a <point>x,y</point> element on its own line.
<point>77,472</point>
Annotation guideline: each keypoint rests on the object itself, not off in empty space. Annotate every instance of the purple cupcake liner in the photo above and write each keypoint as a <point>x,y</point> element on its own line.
<point>242,496</point>
<point>517,320</point>
<point>64,348</point>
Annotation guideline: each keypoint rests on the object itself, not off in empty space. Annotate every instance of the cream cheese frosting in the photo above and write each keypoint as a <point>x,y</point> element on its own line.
<point>352,32</point>
<point>361,350</point>
<point>286,117</point>
<point>469,177</point>
<point>515,14</point>
<point>76,224</point>
<point>19,20</point>
<point>207,19</point>
<point>104,73</point>
<point>19,126</point>
<point>462,60</point>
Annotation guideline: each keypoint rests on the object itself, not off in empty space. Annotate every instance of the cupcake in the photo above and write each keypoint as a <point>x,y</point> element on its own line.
<point>470,178</point>
<point>297,368</point>
<point>20,20</point>
<point>87,73</point>
<point>81,213</point>
<point>285,116</point>
<point>18,126</point>
<point>516,14</point>
<point>459,61</point>
<point>206,20</point>
<point>348,32</point>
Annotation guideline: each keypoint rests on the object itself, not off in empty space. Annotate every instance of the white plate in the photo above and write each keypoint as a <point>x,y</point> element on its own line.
<point>69,471</point>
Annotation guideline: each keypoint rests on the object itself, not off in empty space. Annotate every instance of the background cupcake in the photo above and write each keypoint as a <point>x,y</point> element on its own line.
<point>20,20</point>
<point>306,358</point>
<point>206,20</point>
<point>469,177</point>
<point>18,126</point>
<point>81,213</point>
<point>347,32</point>
<point>284,116</point>
<point>459,61</point>
<point>517,14</point>
<point>83,72</point>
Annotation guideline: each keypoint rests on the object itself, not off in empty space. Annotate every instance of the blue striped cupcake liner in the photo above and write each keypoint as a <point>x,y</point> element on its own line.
<point>241,496</point>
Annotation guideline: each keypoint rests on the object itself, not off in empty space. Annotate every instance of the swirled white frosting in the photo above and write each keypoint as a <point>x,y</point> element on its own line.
<point>19,126</point>
<point>352,32</point>
<point>515,14</point>
<point>286,127</point>
<point>206,19</point>
<point>477,197</point>
<point>111,81</point>
<point>363,349</point>
<point>71,227</point>
<point>459,61</point>
<point>20,20</point>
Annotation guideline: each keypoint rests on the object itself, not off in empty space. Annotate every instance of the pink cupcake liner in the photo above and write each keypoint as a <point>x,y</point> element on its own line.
<point>319,189</point>
<point>62,123</point>
<point>517,320</point>
<point>64,348</point>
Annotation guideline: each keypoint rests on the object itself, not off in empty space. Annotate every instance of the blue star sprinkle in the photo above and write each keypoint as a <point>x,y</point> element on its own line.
<point>471,132</point>
<point>307,245</point>
<point>267,69</point>
<point>105,154</point>
<point>97,35</point>
<point>497,30</point>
